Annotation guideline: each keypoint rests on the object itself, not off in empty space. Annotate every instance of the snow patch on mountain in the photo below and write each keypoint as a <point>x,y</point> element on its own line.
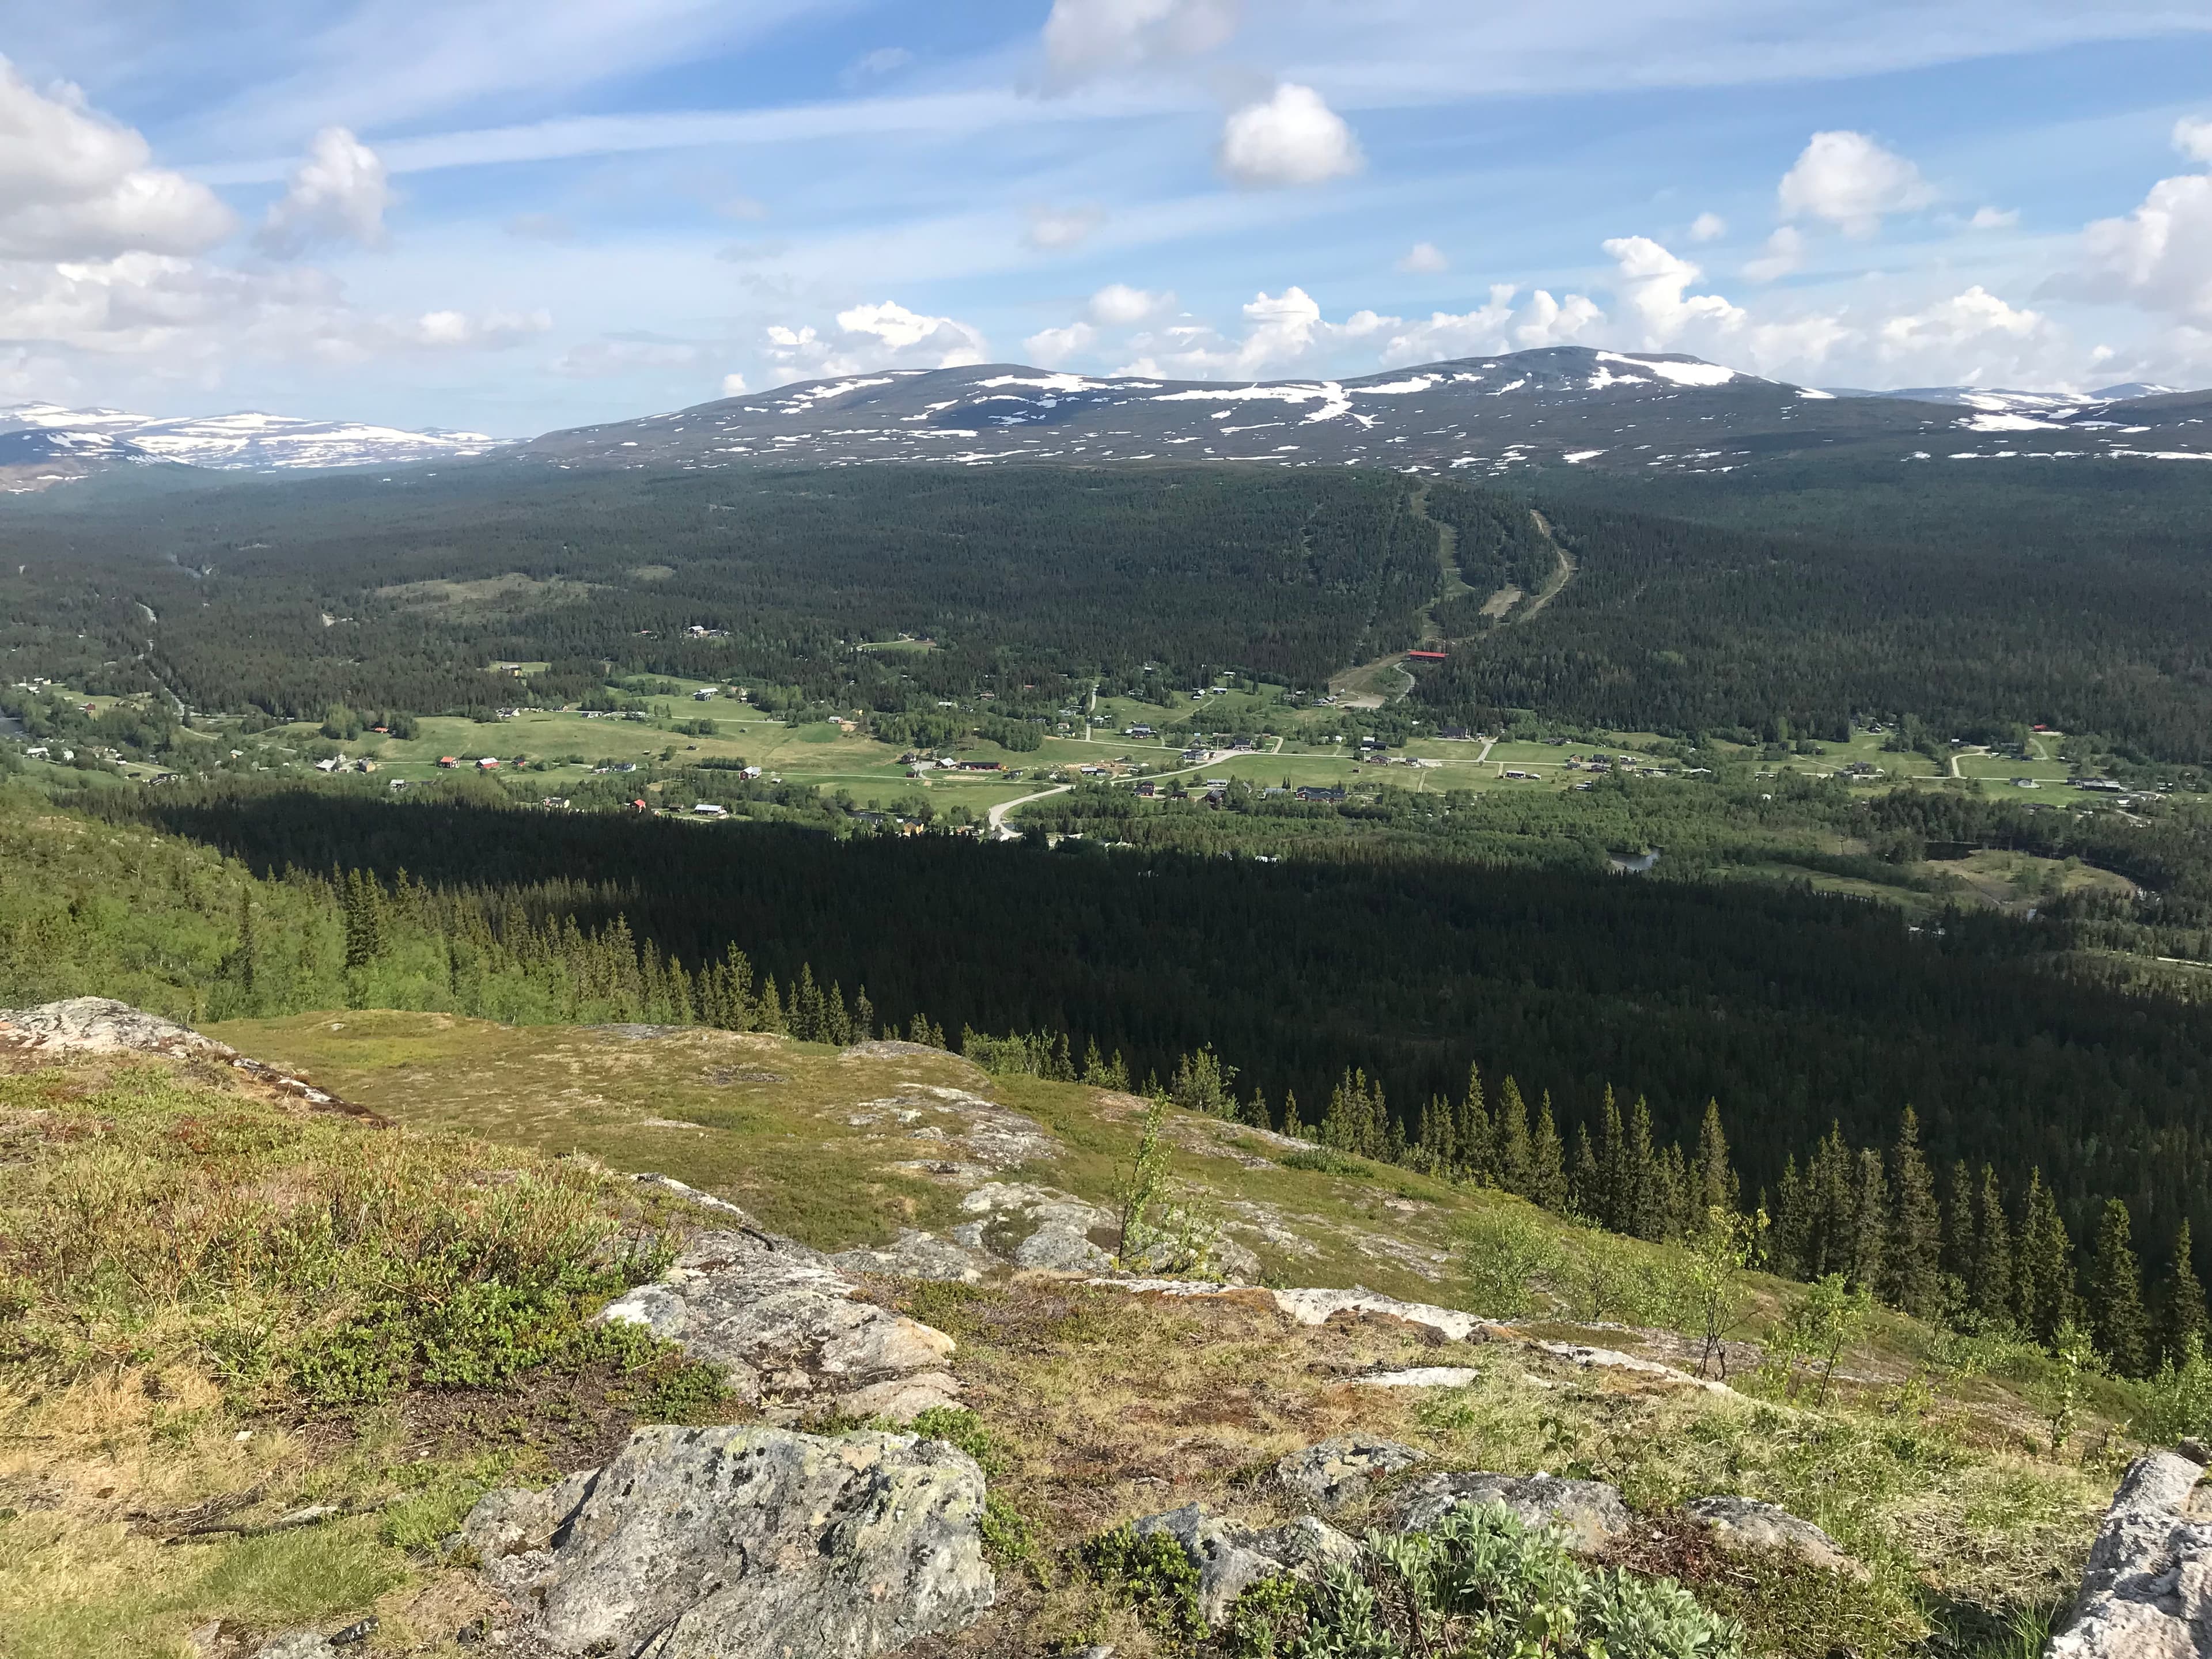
<point>246,441</point>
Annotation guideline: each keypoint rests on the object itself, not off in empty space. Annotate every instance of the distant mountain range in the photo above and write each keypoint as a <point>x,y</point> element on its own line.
<point>1476,417</point>
<point>1479,416</point>
<point>33,434</point>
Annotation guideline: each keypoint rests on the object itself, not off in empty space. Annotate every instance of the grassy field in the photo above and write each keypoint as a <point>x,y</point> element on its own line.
<point>1931,1459</point>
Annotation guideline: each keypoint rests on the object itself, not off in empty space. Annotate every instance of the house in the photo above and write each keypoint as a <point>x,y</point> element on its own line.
<point>447,762</point>
<point>1319,792</point>
<point>707,809</point>
<point>982,766</point>
<point>1425,656</point>
<point>1147,790</point>
<point>1140,732</point>
<point>557,803</point>
<point>328,764</point>
<point>487,764</point>
<point>1455,733</point>
<point>704,693</point>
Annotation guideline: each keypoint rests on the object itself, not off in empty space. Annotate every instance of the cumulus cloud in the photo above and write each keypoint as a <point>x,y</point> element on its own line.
<point>338,194</point>
<point>1118,305</point>
<point>1993,218</point>
<point>1785,253</point>
<point>1423,258</point>
<point>1708,227</point>
<point>1849,179</point>
<point>733,385</point>
<point>1652,285</point>
<point>1051,230</point>
<point>74,186</point>
<point>1281,331</point>
<point>1292,137</point>
<point>1084,38</point>
<point>879,336</point>
<point>1494,326</point>
<point>2192,136</point>
<point>1051,347</point>
<point>2158,258</point>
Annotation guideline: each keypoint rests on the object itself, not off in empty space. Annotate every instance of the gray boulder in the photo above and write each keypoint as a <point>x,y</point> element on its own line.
<point>2147,1591</point>
<point>1232,1556</point>
<point>1589,1513</point>
<point>779,1319</point>
<point>744,1542</point>
<point>1744,1525</point>
<point>299,1645</point>
<point>1343,1469</point>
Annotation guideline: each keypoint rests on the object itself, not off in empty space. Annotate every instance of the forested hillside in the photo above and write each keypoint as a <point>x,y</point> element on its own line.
<point>1790,1008</point>
<point>1774,607</point>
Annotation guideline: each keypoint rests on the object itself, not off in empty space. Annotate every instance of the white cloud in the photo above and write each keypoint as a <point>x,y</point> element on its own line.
<point>1118,305</point>
<point>1051,230</point>
<point>1708,227</point>
<point>1494,326</point>
<point>74,186</point>
<point>1291,138</point>
<point>601,359</point>
<point>1974,337</point>
<point>1785,253</point>
<point>1849,179</point>
<point>2158,258</point>
<point>884,60</point>
<point>338,194</point>
<point>490,331</point>
<point>1423,258</point>
<point>1049,348</point>
<point>1993,218</point>
<point>733,385</point>
<point>1092,37</point>
<point>880,335</point>
<point>2192,136</point>
<point>1652,283</point>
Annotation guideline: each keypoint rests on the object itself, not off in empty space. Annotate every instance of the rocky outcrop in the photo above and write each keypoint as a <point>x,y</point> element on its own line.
<point>2147,1592</point>
<point>1035,1227</point>
<point>1588,1514</point>
<point>1745,1526</point>
<point>93,1028</point>
<point>1343,1469</point>
<point>782,1324</point>
<point>732,1542</point>
<point>1232,1556</point>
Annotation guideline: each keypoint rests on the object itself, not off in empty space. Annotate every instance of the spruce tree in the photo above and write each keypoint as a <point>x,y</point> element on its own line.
<point>1791,1250</point>
<point>1913,1266</point>
<point>1714,1179</point>
<point>1671,1198</point>
<point>1254,1112</point>
<point>1990,1282</point>
<point>2042,1273</point>
<point>1511,1136</point>
<point>1291,1126</point>
<point>2117,1321</point>
<point>1832,1205</point>
<point>1547,1165</point>
<point>1867,1241</point>
<point>1642,1197</point>
<point>1613,1195</point>
<point>1472,1137</point>
<point>1435,1135</point>
<point>1583,1189</point>
<point>1959,1242</point>
<point>2182,1308</point>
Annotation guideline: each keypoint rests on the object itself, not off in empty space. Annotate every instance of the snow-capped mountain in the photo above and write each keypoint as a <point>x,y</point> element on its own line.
<point>34,460</point>
<point>1479,416</point>
<point>248,441</point>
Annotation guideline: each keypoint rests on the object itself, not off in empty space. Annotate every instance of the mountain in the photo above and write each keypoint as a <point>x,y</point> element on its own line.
<point>1475,417</point>
<point>34,460</point>
<point>247,441</point>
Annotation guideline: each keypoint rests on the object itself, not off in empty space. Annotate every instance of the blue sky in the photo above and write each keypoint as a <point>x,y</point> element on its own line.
<point>514,214</point>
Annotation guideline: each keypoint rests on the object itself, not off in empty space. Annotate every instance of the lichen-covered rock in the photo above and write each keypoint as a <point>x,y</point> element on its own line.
<point>742,1543</point>
<point>1746,1525</point>
<point>778,1319</point>
<point>1588,1513</point>
<point>1232,1556</point>
<point>1035,1227</point>
<point>2147,1591</point>
<point>297,1645</point>
<point>916,1255</point>
<point>1343,1469</point>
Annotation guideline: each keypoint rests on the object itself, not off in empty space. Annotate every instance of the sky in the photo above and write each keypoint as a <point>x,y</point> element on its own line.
<point>513,215</point>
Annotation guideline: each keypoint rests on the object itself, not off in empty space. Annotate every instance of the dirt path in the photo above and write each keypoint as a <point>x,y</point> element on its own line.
<point>999,830</point>
<point>1561,575</point>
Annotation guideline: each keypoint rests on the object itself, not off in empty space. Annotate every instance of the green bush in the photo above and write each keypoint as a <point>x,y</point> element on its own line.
<point>1150,1573</point>
<point>1480,1586</point>
<point>1322,1161</point>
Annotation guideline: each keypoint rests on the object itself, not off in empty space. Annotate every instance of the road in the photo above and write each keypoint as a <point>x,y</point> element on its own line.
<point>1214,757</point>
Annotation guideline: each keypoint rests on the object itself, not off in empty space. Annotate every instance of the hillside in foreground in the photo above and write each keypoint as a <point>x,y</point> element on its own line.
<point>368,1319</point>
